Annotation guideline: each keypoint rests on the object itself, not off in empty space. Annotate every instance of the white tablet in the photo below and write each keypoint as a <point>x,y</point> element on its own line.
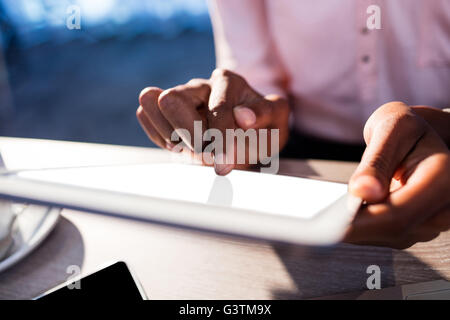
<point>249,204</point>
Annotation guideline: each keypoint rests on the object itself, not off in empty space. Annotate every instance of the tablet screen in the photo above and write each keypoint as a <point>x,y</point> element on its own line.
<point>273,194</point>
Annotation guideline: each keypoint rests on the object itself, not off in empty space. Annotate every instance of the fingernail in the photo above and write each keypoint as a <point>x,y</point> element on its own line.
<point>223,169</point>
<point>220,165</point>
<point>367,187</point>
<point>245,117</point>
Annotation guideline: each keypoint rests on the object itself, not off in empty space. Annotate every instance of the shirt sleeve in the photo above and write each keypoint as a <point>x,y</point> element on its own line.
<point>243,44</point>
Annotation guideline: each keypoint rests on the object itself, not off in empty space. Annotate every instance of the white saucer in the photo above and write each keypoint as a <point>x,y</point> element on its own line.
<point>32,226</point>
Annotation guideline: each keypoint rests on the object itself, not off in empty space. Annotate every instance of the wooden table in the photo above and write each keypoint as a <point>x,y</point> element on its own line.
<point>181,264</point>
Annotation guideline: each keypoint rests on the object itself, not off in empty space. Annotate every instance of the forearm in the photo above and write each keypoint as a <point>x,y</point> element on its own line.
<point>438,119</point>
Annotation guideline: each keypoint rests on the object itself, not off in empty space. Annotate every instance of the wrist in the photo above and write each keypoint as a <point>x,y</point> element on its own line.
<point>280,118</point>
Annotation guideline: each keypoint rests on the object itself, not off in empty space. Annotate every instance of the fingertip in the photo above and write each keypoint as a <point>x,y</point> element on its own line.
<point>220,166</point>
<point>367,188</point>
<point>148,93</point>
<point>139,112</point>
<point>170,146</point>
<point>222,170</point>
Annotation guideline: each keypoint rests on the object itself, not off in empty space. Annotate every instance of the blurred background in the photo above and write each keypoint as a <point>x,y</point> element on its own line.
<point>83,84</point>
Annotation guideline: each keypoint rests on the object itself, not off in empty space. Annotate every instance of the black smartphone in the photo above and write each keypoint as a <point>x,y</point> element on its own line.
<point>113,282</point>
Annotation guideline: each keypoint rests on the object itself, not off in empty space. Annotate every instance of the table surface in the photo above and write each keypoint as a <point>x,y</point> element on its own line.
<point>183,264</point>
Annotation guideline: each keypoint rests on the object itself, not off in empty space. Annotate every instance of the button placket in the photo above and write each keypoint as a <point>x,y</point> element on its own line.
<point>366,55</point>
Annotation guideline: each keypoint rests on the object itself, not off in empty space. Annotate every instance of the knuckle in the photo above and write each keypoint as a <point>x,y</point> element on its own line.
<point>405,119</point>
<point>147,94</point>
<point>216,109</point>
<point>197,82</point>
<point>225,73</point>
<point>380,164</point>
<point>393,116</point>
<point>168,100</point>
<point>391,107</point>
<point>409,121</point>
<point>221,72</point>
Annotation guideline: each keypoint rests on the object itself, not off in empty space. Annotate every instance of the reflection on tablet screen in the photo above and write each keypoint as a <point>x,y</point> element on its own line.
<point>298,197</point>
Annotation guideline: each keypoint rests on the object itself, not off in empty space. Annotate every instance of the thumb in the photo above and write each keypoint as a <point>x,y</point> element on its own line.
<point>256,115</point>
<point>390,133</point>
<point>369,184</point>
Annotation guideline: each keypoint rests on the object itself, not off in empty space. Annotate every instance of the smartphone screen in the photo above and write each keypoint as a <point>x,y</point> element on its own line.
<point>112,283</point>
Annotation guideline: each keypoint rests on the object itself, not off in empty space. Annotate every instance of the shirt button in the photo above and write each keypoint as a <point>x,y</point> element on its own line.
<point>365,30</point>
<point>365,58</point>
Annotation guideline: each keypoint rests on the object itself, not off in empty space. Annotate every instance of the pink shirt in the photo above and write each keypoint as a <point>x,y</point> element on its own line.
<point>336,70</point>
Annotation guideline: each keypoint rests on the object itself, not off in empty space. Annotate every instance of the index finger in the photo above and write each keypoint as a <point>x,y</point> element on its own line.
<point>180,106</point>
<point>225,89</point>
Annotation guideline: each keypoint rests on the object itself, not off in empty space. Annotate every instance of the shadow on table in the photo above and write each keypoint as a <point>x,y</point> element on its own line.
<point>320,272</point>
<point>46,267</point>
